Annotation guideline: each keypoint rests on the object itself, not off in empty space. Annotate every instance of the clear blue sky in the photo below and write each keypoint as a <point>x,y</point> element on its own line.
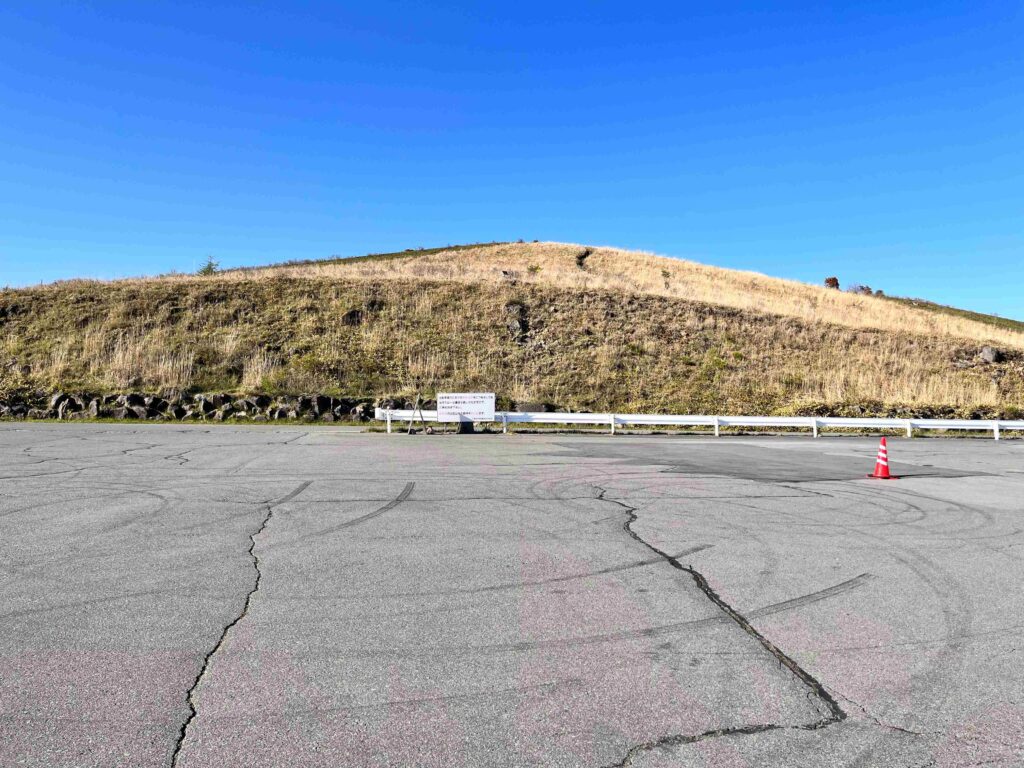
<point>882,142</point>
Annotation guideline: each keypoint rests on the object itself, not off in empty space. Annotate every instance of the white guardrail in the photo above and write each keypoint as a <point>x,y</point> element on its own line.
<point>813,423</point>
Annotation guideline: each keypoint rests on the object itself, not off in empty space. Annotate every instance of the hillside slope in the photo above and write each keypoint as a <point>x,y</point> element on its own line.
<point>580,328</point>
<point>630,272</point>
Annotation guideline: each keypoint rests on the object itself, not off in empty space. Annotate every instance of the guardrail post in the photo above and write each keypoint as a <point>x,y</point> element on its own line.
<point>613,423</point>
<point>995,429</point>
<point>716,427</point>
<point>389,421</point>
<point>814,427</point>
<point>504,423</point>
<point>910,429</point>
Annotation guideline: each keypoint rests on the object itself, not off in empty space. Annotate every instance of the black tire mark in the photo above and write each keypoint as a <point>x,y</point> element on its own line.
<point>299,712</point>
<point>511,585</point>
<point>292,495</point>
<point>957,612</point>
<point>626,634</point>
<point>85,604</point>
<point>813,597</point>
<point>406,492</point>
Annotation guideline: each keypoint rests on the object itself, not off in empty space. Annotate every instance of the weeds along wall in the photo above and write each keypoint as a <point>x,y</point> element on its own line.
<point>591,348</point>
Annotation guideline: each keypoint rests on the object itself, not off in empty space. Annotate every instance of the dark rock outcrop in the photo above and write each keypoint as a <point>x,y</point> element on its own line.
<point>518,325</point>
<point>991,355</point>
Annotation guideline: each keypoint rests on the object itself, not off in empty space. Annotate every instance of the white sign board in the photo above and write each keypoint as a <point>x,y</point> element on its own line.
<point>465,406</point>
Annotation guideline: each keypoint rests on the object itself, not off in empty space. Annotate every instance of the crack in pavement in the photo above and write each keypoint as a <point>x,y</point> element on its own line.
<point>834,712</point>
<point>208,658</point>
<point>678,739</point>
<point>888,726</point>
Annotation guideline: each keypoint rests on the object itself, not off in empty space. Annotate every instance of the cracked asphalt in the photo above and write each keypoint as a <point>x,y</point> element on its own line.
<point>261,596</point>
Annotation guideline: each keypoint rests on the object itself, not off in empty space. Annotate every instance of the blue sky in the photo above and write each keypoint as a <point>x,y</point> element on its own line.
<point>880,142</point>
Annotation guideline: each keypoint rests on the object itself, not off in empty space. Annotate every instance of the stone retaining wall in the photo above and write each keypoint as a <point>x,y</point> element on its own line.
<point>201,407</point>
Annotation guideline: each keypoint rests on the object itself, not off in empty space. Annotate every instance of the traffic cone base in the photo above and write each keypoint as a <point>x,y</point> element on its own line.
<point>882,464</point>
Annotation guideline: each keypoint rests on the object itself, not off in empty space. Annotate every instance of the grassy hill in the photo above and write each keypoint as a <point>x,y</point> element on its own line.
<point>583,328</point>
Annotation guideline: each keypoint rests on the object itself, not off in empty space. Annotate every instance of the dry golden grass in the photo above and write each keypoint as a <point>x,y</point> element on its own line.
<point>616,335</point>
<point>633,272</point>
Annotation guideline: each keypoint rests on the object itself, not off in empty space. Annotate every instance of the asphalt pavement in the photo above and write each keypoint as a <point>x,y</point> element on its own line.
<point>260,596</point>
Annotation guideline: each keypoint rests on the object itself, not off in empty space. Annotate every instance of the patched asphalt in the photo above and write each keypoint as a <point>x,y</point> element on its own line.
<point>188,596</point>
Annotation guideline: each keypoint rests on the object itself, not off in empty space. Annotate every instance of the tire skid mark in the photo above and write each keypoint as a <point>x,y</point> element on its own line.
<point>813,597</point>
<point>405,494</point>
<point>957,612</point>
<point>554,580</point>
<point>316,711</point>
<point>665,629</point>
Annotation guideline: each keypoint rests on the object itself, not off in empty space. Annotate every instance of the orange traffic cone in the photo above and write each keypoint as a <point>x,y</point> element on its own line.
<point>882,464</point>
